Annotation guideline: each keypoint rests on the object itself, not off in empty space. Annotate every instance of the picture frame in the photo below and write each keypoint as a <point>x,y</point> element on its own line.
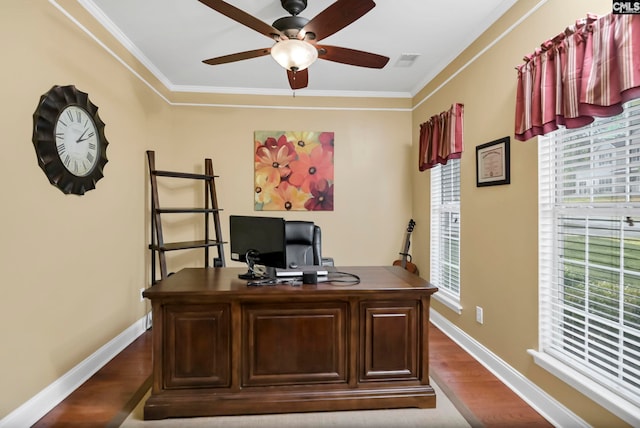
<point>493,163</point>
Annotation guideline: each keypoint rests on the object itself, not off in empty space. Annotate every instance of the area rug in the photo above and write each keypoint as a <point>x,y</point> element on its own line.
<point>444,415</point>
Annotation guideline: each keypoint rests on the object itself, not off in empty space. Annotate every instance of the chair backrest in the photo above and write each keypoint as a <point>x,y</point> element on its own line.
<point>304,243</point>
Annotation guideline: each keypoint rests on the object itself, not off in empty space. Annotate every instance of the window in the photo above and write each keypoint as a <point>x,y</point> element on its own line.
<point>445,232</point>
<point>589,255</point>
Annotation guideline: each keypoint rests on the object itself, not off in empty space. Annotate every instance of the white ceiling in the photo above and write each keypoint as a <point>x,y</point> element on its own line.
<point>172,37</point>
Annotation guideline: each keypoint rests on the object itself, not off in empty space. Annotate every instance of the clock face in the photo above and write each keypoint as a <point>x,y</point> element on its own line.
<point>68,136</point>
<point>76,141</point>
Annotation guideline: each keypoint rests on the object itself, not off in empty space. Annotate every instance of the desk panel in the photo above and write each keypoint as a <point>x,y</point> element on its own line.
<point>295,343</point>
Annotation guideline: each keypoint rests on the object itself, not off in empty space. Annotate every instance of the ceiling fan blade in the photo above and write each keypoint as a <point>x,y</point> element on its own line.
<point>237,56</point>
<point>336,17</point>
<point>244,18</point>
<point>298,79</point>
<point>351,56</point>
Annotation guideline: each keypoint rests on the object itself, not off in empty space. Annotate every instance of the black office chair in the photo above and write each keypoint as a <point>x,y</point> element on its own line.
<point>304,244</point>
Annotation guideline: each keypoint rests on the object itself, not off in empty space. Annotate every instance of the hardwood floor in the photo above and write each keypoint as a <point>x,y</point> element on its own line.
<point>109,396</point>
<point>477,393</point>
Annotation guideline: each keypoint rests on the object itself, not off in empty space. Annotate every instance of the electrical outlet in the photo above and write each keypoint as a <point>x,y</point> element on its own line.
<point>141,296</point>
<point>479,315</point>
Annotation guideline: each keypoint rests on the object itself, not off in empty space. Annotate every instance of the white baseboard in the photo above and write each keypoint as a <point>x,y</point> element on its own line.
<point>553,411</point>
<point>39,405</point>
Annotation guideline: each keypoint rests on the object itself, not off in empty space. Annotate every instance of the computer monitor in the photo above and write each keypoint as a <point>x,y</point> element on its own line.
<point>258,241</point>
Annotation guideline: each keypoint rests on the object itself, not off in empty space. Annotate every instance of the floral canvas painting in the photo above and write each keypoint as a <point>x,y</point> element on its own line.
<point>293,171</point>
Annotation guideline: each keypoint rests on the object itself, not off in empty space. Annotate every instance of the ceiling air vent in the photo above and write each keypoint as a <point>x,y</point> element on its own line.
<point>407,59</point>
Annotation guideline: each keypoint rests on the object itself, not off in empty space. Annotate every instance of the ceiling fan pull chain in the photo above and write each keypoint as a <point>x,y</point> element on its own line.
<point>294,69</point>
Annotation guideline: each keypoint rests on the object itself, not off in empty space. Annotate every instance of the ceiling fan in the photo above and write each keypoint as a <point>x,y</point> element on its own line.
<point>296,37</point>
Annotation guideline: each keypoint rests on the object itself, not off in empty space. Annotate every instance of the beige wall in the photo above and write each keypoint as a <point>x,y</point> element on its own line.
<point>72,266</point>
<point>372,152</point>
<point>499,223</point>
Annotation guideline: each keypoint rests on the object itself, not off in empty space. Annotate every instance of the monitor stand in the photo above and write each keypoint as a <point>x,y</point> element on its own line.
<point>251,263</point>
<point>251,273</point>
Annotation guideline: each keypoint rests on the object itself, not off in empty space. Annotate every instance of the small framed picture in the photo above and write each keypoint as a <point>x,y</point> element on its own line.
<point>492,163</point>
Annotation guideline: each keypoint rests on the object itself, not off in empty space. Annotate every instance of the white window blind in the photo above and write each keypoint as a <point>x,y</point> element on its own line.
<point>589,250</point>
<point>445,228</point>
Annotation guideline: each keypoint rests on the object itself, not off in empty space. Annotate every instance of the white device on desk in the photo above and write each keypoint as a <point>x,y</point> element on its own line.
<point>300,270</point>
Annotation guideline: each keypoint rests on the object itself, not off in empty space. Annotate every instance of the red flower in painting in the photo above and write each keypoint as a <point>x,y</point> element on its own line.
<point>326,139</point>
<point>272,144</point>
<point>311,168</point>
<point>322,197</point>
<point>273,159</point>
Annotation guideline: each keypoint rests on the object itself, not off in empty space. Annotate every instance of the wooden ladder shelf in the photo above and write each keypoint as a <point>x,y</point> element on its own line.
<point>210,210</point>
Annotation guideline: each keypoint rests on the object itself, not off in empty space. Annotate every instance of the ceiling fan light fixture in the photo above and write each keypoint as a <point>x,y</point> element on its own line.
<point>294,54</point>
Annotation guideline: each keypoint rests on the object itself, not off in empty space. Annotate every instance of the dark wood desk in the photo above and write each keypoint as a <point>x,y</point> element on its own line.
<point>222,348</point>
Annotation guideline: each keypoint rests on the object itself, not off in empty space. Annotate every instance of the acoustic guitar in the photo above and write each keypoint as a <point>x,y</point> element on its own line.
<point>405,261</point>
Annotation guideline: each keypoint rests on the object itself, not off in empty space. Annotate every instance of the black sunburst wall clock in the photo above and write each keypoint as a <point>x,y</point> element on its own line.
<point>69,140</point>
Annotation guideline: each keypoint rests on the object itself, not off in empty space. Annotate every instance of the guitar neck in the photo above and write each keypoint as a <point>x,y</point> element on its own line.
<point>405,250</point>
<point>407,242</point>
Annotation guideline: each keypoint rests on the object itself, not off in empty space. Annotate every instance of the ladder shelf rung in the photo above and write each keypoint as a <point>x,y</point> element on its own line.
<point>185,245</point>
<point>183,175</point>
<point>187,210</point>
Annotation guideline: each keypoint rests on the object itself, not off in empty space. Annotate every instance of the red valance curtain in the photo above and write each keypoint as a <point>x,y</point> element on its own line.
<point>588,70</point>
<point>441,138</point>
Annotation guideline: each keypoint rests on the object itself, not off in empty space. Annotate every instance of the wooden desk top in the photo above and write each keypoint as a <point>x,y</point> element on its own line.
<point>217,281</point>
